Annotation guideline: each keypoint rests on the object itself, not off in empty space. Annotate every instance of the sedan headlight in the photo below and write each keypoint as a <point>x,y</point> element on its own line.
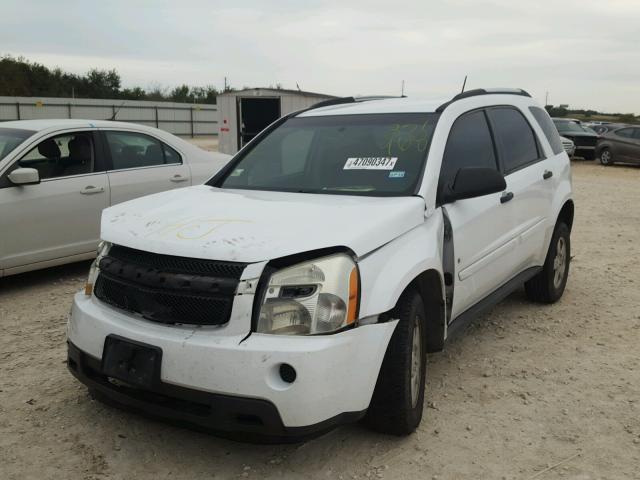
<point>319,296</point>
<point>103,249</point>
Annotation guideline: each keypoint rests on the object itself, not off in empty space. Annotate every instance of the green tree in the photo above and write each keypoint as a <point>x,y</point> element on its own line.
<point>22,78</point>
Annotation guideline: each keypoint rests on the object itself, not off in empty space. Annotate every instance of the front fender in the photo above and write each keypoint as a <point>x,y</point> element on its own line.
<point>387,271</point>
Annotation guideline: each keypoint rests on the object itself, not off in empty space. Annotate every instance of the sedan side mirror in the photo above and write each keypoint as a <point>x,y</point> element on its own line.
<point>24,176</point>
<point>473,182</point>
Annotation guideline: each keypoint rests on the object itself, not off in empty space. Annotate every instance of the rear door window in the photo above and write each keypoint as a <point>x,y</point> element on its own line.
<point>548,128</point>
<point>469,145</point>
<point>515,138</point>
<point>136,150</point>
<point>170,155</point>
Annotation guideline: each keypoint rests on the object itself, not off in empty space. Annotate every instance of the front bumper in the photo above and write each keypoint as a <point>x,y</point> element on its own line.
<point>230,383</point>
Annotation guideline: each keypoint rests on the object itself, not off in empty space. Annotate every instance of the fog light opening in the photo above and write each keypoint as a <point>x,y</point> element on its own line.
<point>287,373</point>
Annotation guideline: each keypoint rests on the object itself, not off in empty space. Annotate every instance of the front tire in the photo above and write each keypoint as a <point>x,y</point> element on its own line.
<point>606,157</point>
<point>548,285</point>
<point>397,402</point>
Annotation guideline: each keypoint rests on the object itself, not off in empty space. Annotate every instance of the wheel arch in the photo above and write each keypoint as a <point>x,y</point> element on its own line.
<point>566,213</point>
<point>429,284</point>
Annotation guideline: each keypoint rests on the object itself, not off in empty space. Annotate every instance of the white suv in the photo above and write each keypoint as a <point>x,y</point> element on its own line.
<point>303,285</point>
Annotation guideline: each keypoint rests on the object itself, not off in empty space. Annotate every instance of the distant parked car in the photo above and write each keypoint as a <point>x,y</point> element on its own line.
<point>606,127</point>
<point>568,146</point>
<point>594,123</point>
<point>620,145</point>
<point>56,177</point>
<point>584,138</point>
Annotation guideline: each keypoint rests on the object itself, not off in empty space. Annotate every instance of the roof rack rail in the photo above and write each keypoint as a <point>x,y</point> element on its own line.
<point>332,101</point>
<point>483,91</point>
<point>342,100</point>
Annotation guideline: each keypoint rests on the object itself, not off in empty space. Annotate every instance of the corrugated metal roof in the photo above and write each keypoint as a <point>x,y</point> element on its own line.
<point>277,91</point>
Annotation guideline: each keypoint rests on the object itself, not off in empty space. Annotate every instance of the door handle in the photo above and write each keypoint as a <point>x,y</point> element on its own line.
<point>506,196</point>
<point>178,178</point>
<point>547,174</point>
<point>91,190</point>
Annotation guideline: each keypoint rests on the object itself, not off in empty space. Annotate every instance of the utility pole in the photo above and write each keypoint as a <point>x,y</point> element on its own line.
<point>225,84</point>
<point>402,89</point>
<point>546,99</point>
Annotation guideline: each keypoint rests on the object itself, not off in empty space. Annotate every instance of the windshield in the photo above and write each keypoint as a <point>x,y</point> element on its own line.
<point>569,127</point>
<point>378,154</point>
<point>10,138</point>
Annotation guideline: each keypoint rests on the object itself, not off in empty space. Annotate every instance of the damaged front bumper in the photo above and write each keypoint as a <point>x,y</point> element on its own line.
<point>232,384</point>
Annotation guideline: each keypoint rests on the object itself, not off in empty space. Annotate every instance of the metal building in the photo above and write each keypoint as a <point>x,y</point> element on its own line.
<point>243,114</point>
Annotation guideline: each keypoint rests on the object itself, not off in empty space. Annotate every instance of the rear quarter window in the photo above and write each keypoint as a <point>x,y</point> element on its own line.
<point>548,128</point>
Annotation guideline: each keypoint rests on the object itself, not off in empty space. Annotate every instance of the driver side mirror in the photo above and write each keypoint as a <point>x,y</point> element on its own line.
<point>24,176</point>
<point>471,182</point>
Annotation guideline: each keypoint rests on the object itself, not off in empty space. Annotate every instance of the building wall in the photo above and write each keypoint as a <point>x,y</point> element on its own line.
<point>177,118</point>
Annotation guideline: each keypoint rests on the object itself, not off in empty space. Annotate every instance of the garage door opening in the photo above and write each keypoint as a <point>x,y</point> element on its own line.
<point>255,115</point>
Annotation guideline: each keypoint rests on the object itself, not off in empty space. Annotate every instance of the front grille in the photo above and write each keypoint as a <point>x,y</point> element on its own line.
<point>168,289</point>
<point>169,263</point>
<point>585,141</point>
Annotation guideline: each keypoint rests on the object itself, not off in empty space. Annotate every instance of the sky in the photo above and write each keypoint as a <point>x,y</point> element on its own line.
<point>584,53</point>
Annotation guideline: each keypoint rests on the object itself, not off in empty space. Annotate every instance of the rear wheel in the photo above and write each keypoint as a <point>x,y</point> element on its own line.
<point>548,285</point>
<point>397,402</point>
<point>606,157</point>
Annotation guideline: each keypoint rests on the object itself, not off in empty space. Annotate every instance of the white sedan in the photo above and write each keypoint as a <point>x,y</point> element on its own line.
<point>56,176</point>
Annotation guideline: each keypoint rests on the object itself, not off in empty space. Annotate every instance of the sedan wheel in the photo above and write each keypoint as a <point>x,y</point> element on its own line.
<point>606,158</point>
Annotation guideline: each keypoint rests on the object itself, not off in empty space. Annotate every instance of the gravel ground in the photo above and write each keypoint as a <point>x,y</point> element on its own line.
<point>528,391</point>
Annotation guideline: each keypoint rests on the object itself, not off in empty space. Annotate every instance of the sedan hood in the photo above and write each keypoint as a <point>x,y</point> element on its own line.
<point>252,226</point>
<point>579,134</point>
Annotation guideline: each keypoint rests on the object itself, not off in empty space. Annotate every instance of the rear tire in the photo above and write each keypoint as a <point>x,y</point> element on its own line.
<point>590,156</point>
<point>397,402</point>
<point>606,157</point>
<point>548,285</point>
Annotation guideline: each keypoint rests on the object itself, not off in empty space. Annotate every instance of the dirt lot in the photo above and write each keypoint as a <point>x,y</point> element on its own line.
<point>527,392</point>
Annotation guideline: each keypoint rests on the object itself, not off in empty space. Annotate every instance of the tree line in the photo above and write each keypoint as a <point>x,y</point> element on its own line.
<point>22,78</point>
<point>563,111</point>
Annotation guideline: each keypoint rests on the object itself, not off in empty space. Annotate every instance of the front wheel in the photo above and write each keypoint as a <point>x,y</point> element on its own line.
<point>606,157</point>
<point>397,402</point>
<point>549,284</point>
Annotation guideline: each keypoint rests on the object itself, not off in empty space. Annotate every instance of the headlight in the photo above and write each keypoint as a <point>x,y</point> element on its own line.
<point>320,296</point>
<point>103,249</point>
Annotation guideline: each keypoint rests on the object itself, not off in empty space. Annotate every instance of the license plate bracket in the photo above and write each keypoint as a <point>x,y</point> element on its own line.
<point>132,362</point>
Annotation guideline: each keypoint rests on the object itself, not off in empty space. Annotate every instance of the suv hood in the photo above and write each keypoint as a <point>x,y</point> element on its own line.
<point>253,226</point>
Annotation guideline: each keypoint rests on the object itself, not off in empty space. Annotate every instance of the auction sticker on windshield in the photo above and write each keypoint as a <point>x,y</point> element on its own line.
<point>370,163</point>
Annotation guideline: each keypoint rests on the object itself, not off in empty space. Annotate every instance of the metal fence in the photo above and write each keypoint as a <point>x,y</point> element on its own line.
<point>177,118</point>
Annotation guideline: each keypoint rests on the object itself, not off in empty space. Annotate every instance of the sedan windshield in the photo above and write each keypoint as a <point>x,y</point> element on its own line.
<point>10,138</point>
<point>377,155</point>
<point>569,127</point>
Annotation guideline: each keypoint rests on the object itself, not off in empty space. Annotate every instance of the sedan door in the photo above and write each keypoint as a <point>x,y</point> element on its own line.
<point>635,151</point>
<point>59,218</point>
<point>140,164</point>
<point>624,144</point>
